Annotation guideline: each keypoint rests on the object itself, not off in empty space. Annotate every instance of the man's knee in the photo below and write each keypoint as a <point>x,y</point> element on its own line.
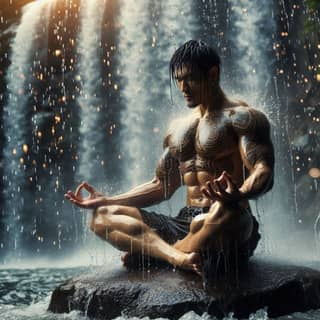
<point>109,210</point>
<point>212,217</point>
<point>99,223</point>
<point>115,217</point>
<point>115,210</point>
<point>216,212</point>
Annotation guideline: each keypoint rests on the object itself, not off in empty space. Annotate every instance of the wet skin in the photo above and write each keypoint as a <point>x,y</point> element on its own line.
<point>210,148</point>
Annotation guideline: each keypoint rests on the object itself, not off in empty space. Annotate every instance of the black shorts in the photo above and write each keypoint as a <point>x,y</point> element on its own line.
<point>172,229</point>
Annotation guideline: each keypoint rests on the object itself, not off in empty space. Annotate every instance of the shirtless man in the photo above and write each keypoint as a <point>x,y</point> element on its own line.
<point>223,151</point>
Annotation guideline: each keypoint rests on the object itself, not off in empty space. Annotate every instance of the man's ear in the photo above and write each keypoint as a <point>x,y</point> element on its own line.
<point>214,74</point>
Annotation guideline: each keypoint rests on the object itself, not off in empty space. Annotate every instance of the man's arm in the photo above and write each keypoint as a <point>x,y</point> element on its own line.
<point>162,187</point>
<point>253,130</point>
<point>166,182</point>
<point>257,153</point>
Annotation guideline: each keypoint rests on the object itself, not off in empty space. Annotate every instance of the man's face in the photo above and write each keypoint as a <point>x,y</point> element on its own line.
<point>192,85</point>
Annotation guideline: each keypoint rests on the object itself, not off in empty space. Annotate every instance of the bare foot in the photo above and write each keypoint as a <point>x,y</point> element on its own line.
<point>130,260</point>
<point>136,261</point>
<point>191,261</point>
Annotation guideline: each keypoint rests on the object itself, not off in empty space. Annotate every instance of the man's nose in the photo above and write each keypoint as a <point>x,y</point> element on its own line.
<point>184,86</point>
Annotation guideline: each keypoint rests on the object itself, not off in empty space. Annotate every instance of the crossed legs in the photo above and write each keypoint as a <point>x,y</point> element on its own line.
<point>124,228</point>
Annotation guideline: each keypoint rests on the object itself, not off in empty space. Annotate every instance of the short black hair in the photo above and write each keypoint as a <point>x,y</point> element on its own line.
<point>197,55</point>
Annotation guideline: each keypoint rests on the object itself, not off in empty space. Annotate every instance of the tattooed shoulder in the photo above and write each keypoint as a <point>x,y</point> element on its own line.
<point>246,120</point>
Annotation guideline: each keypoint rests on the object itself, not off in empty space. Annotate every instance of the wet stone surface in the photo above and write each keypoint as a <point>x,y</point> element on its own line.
<point>283,289</point>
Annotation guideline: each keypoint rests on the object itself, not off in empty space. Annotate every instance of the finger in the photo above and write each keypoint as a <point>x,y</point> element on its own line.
<point>211,195</point>
<point>78,190</point>
<point>230,184</point>
<point>78,196</point>
<point>69,194</point>
<point>226,173</point>
<point>73,196</point>
<point>79,204</point>
<point>218,186</point>
<point>222,193</point>
<point>206,193</point>
<point>209,187</point>
<point>225,185</point>
<point>89,188</point>
<point>220,177</point>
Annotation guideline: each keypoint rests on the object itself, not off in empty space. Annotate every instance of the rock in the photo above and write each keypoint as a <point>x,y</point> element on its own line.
<point>283,289</point>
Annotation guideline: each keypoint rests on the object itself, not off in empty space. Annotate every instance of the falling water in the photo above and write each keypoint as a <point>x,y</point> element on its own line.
<point>134,63</point>
<point>15,118</point>
<point>90,100</point>
<point>144,66</point>
<point>254,70</point>
<point>177,23</point>
<point>252,33</point>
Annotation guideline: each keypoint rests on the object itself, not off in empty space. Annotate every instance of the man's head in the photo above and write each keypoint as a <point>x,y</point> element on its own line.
<point>195,67</point>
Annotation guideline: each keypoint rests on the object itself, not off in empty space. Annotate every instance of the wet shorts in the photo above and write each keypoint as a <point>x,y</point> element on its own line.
<point>172,229</point>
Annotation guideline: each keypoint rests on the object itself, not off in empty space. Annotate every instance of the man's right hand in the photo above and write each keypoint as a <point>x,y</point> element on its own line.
<point>94,200</point>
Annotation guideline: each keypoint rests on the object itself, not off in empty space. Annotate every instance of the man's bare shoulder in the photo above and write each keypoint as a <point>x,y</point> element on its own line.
<point>180,125</point>
<point>246,119</point>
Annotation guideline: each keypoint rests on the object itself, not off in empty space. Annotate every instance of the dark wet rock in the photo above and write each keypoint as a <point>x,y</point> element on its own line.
<point>281,288</point>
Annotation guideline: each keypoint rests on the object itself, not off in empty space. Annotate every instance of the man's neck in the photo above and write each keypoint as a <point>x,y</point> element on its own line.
<point>216,103</point>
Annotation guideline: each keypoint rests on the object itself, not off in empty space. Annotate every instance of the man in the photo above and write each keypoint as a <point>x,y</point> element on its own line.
<point>212,148</point>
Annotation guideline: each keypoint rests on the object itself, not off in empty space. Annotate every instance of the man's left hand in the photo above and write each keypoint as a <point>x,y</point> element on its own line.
<point>222,189</point>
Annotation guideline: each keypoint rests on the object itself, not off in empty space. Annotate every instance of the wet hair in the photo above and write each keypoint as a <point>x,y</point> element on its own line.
<point>197,55</point>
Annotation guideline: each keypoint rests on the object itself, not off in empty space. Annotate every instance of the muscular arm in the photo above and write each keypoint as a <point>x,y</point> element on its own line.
<point>256,151</point>
<point>166,182</point>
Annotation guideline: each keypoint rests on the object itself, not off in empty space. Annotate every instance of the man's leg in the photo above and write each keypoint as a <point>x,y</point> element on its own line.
<point>124,228</point>
<point>217,228</point>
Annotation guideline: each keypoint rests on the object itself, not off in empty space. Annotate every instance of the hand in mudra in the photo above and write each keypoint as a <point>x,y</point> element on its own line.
<point>94,199</point>
<point>222,189</point>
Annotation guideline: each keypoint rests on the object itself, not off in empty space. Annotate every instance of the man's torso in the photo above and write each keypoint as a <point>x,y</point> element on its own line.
<point>205,147</point>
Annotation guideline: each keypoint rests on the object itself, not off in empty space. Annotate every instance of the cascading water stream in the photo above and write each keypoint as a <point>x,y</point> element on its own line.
<point>252,45</point>
<point>144,67</point>
<point>178,25</point>
<point>90,101</point>
<point>15,119</point>
<point>133,41</point>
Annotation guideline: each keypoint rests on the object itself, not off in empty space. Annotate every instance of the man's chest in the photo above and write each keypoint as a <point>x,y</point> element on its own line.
<point>205,138</point>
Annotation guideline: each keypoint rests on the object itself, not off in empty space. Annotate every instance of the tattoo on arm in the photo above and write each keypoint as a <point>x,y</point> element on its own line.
<point>256,148</point>
<point>256,151</point>
<point>168,173</point>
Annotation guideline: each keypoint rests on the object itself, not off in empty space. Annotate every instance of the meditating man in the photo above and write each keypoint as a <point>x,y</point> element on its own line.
<point>223,152</point>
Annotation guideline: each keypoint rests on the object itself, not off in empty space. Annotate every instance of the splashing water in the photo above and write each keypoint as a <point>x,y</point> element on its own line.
<point>254,72</point>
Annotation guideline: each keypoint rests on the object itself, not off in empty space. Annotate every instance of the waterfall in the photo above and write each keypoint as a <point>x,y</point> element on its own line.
<point>178,25</point>
<point>253,28</point>
<point>134,62</point>
<point>90,100</point>
<point>15,121</point>
<point>251,35</point>
<point>150,32</point>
